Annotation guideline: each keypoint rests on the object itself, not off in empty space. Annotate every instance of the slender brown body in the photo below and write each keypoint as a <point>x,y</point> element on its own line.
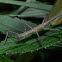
<point>41,26</point>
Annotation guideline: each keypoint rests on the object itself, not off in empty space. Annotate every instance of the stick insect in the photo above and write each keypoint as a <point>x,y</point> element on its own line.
<point>35,29</point>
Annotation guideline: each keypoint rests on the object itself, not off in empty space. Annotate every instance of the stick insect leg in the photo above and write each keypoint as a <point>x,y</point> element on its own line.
<point>54,30</point>
<point>39,39</point>
<point>44,18</point>
<point>10,46</point>
<point>37,35</point>
<point>5,39</point>
<point>7,36</point>
<point>24,27</point>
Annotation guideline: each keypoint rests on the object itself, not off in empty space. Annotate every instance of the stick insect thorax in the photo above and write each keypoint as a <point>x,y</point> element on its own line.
<point>41,26</point>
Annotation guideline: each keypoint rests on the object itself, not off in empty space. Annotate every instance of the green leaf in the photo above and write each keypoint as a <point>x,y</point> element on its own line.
<point>29,4</point>
<point>22,8</point>
<point>30,44</point>
<point>31,12</point>
<point>5,59</point>
<point>14,24</point>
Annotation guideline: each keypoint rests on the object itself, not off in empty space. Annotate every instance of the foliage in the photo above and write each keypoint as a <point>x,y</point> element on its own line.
<point>30,43</point>
<point>14,21</point>
<point>5,59</point>
<point>55,10</point>
<point>29,55</point>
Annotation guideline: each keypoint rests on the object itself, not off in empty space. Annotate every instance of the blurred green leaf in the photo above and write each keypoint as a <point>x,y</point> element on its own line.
<point>29,4</point>
<point>22,8</point>
<point>5,59</point>
<point>31,12</point>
